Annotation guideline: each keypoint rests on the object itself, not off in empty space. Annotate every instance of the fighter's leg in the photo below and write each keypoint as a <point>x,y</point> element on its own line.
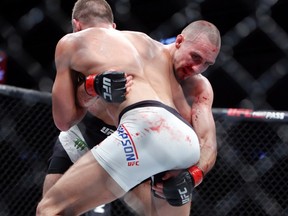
<point>58,163</point>
<point>50,180</point>
<point>85,185</point>
<point>144,203</point>
<point>139,199</point>
<point>162,207</point>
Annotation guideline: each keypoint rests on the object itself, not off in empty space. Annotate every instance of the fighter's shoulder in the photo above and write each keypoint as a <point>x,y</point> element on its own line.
<point>66,41</point>
<point>201,81</point>
<point>73,37</point>
<point>134,33</point>
<point>199,84</point>
<point>140,35</point>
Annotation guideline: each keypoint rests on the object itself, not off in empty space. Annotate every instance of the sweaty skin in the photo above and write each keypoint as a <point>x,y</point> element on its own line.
<point>137,55</point>
<point>194,97</point>
<point>73,46</point>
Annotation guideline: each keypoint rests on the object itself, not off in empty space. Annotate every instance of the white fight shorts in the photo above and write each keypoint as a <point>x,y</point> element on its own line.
<point>74,143</point>
<point>151,138</point>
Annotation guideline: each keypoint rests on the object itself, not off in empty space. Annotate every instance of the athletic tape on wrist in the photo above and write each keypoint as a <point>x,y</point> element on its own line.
<point>89,85</point>
<point>197,175</point>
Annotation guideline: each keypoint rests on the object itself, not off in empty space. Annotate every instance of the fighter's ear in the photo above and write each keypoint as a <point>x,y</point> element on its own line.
<point>179,40</point>
<point>76,25</point>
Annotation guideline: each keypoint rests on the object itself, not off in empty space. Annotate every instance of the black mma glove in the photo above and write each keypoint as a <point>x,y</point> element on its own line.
<point>178,189</point>
<point>110,85</point>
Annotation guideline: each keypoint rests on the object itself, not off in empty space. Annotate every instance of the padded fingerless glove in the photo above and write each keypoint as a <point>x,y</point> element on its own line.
<point>110,85</point>
<point>178,190</point>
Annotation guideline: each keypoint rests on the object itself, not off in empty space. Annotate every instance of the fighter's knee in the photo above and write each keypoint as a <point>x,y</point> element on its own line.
<point>46,208</point>
<point>41,210</point>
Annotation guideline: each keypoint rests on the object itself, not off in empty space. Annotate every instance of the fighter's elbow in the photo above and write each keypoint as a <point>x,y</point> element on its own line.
<point>62,126</point>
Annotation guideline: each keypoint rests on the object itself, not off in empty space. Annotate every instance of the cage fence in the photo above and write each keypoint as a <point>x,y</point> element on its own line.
<point>249,177</point>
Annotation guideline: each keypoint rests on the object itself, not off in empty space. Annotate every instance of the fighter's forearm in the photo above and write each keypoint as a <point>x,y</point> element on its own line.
<point>204,126</point>
<point>208,154</point>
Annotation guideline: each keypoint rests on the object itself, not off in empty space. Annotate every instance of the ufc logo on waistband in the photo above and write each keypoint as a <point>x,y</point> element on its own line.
<point>107,131</point>
<point>107,88</point>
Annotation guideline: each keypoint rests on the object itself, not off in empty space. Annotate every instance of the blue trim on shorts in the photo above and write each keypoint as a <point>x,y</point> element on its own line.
<point>152,103</point>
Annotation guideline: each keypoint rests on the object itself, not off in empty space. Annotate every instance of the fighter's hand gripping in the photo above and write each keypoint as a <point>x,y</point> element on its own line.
<point>110,85</point>
<point>178,189</point>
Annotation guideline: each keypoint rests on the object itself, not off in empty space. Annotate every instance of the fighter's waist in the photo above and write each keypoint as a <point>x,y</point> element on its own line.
<point>151,103</point>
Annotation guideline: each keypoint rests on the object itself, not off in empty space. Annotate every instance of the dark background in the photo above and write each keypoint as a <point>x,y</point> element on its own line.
<point>251,70</point>
<point>250,174</point>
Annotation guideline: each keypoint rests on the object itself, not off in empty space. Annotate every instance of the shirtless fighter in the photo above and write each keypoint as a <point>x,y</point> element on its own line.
<point>149,132</point>
<point>199,63</point>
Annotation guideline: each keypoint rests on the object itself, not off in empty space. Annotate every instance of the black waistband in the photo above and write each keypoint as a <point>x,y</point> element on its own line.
<point>152,103</point>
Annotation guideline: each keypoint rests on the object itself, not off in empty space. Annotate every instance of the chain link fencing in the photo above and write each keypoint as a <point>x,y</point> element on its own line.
<point>249,178</point>
<point>252,64</point>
